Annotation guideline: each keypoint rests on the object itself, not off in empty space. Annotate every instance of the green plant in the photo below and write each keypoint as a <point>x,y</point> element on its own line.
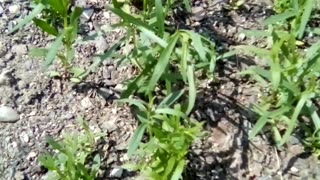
<point>57,20</point>
<point>72,156</point>
<point>291,82</point>
<point>280,6</point>
<point>170,134</point>
<point>294,18</point>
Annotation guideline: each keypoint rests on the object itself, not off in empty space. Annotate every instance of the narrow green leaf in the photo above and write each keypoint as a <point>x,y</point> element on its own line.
<point>192,89</point>
<point>170,165</point>
<point>44,26</point>
<point>293,122</point>
<point>262,121</point>
<point>139,103</point>
<point>76,13</point>
<point>308,6</point>
<point>170,111</point>
<point>178,170</point>
<point>279,17</point>
<point>160,16</point>
<point>39,52</point>
<point>153,36</point>
<point>313,50</point>
<point>53,50</point>
<point>187,5</point>
<point>136,139</point>
<point>258,51</point>
<point>95,165</point>
<point>129,18</point>
<point>37,10</point>
<point>197,44</point>
<point>58,6</point>
<point>171,98</point>
<point>163,62</point>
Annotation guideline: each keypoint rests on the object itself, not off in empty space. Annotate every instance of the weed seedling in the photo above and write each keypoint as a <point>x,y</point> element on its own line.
<point>56,18</point>
<point>70,161</point>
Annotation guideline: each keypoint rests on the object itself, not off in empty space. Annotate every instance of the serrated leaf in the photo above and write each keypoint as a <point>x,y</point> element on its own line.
<point>44,26</point>
<point>37,10</point>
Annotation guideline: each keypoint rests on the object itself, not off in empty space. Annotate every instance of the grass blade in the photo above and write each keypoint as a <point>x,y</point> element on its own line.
<point>153,36</point>
<point>279,17</point>
<point>171,98</point>
<point>192,89</point>
<point>163,62</point>
<point>304,98</point>
<point>178,171</point>
<point>37,10</point>
<point>160,16</point>
<point>53,50</point>
<point>308,6</point>
<point>170,111</point>
<point>197,44</point>
<point>136,139</point>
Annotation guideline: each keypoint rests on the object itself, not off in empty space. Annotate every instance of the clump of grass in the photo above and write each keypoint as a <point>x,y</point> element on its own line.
<point>71,158</point>
<point>291,80</point>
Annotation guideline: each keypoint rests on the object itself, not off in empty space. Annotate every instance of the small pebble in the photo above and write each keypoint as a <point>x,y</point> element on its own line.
<point>116,172</point>
<point>7,114</point>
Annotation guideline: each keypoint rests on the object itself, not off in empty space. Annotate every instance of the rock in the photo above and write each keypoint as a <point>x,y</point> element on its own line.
<point>110,124</point>
<point>1,10</point>
<point>14,9</point>
<point>68,116</point>
<point>19,176</point>
<point>198,13</point>
<point>7,114</point>
<point>87,13</point>
<point>101,44</point>
<point>5,77</point>
<point>24,137</point>
<point>86,103</point>
<point>105,93</point>
<point>116,172</point>
<point>3,48</point>
<point>19,49</point>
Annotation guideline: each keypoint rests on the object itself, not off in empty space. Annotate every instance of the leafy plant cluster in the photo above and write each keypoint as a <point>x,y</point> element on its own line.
<point>73,156</point>
<point>167,63</point>
<point>291,80</point>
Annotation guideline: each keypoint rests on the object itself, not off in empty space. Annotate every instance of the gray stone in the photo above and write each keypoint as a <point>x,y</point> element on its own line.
<point>101,44</point>
<point>198,13</point>
<point>19,49</point>
<point>1,10</point>
<point>116,172</point>
<point>86,103</point>
<point>3,48</point>
<point>7,114</point>
<point>14,9</point>
<point>5,77</point>
<point>87,13</point>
